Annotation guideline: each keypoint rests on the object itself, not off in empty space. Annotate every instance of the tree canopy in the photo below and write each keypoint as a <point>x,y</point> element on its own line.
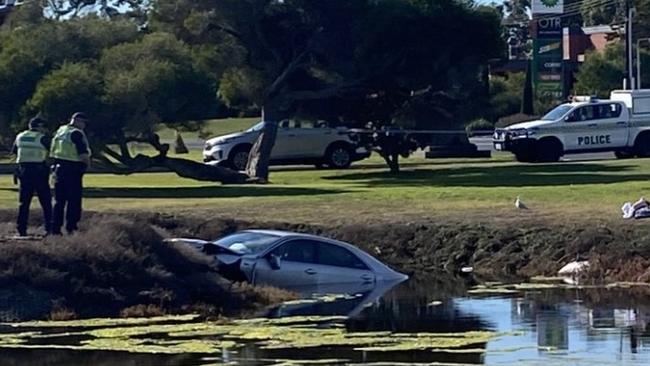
<point>412,63</point>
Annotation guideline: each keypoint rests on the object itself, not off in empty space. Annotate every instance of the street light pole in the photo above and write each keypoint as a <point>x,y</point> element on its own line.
<point>629,45</point>
<point>638,61</point>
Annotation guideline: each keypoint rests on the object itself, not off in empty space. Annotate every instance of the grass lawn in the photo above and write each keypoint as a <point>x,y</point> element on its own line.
<point>482,189</point>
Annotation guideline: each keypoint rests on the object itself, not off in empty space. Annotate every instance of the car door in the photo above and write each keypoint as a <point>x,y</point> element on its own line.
<point>584,130</point>
<point>614,122</point>
<point>315,138</point>
<point>286,142</point>
<point>297,262</point>
<point>337,264</point>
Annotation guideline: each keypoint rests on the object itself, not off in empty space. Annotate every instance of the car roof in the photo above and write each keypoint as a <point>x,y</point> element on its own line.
<point>286,234</point>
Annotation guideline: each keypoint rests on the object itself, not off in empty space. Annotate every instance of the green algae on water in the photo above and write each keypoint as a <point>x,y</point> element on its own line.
<point>102,322</point>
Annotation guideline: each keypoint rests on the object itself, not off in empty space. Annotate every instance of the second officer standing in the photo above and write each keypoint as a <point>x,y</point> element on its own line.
<point>71,153</point>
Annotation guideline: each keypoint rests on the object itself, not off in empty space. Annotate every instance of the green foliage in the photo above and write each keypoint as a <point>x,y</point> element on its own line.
<point>67,89</point>
<point>605,13</point>
<point>480,124</point>
<point>505,95</point>
<point>154,80</point>
<point>601,72</point>
<point>27,54</point>
<point>242,88</point>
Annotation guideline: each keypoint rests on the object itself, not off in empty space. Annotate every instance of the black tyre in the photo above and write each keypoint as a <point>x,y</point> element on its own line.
<point>525,154</point>
<point>642,145</point>
<point>549,151</point>
<point>623,154</point>
<point>338,156</point>
<point>238,157</point>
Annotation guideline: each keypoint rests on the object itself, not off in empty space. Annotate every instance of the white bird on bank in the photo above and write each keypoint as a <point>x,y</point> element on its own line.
<point>520,205</point>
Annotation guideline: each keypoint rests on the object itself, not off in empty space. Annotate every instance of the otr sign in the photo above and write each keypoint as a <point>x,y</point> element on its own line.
<point>549,23</point>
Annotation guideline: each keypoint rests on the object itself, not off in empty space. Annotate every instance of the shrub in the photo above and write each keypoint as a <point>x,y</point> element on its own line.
<point>478,125</point>
<point>514,118</point>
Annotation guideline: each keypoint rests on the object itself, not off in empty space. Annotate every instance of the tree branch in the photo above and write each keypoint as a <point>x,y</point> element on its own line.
<point>293,66</point>
<point>108,151</point>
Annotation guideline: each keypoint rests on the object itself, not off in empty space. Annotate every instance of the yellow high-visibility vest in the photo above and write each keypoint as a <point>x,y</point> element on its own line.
<point>62,146</point>
<point>30,148</point>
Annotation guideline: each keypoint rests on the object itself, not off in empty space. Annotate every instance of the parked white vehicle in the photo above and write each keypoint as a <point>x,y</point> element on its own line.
<point>620,124</point>
<point>288,259</point>
<point>296,143</point>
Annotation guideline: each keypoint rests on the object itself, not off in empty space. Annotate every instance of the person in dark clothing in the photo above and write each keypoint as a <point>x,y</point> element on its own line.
<point>71,153</point>
<point>31,148</point>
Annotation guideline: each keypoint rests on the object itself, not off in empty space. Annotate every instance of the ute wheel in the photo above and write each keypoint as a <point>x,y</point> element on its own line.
<point>549,151</point>
<point>525,154</point>
<point>623,154</point>
<point>238,157</point>
<point>642,145</point>
<point>338,156</point>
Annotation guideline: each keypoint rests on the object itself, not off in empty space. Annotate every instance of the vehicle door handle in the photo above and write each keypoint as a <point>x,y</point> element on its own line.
<point>310,271</point>
<point>592,125</point>
<point>367,277</point>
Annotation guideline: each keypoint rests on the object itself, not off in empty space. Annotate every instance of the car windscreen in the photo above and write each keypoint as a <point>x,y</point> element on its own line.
<point>247,243</point>
<point>256,127</point>
<point>557,112</point>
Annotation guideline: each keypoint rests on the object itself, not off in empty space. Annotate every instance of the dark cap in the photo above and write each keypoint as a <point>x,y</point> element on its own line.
<point>36,122</point>
<point>80,116</point>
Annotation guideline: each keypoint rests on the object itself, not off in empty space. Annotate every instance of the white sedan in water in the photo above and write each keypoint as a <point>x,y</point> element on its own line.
<point>287,259</point>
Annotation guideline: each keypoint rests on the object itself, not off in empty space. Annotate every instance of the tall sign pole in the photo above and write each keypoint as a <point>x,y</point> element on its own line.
<point>547,49</point>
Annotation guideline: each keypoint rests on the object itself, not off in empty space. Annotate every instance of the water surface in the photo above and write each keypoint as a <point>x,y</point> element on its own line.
<point>532,327</point>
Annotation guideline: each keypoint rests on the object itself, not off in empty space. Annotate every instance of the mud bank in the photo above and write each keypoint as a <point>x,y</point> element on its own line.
<point>618,252</point>
<point>142,271</point>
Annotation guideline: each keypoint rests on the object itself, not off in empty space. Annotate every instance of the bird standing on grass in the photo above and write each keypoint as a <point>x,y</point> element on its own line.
<point>520,205</point>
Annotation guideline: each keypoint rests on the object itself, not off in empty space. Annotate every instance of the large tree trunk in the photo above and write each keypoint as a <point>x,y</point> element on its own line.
<point>198,171</point>
<point>183,167</point>
<point>259,156</point>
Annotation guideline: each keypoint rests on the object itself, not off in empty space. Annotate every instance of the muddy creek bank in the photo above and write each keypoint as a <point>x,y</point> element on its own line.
<point>118,261</point>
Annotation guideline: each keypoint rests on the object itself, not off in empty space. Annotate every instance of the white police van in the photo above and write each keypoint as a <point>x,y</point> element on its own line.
<point>620,124</point>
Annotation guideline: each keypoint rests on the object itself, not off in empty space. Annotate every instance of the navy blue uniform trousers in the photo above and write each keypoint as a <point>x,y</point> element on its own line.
<point>34,179</point>
<point>68,189</point>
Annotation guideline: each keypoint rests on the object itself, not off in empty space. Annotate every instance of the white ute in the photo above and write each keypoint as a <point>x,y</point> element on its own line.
<point>296,143</point>
<point>620,124</point>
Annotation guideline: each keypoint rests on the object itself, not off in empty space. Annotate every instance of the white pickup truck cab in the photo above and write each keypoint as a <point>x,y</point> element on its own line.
<point>620,124</point>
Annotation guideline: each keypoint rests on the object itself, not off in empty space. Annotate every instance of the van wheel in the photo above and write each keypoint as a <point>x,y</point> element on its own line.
<point>623,154</point>
<point>338,156</point>
<point>642,145</point>
<point>238,157</point>
<point>550,151</point>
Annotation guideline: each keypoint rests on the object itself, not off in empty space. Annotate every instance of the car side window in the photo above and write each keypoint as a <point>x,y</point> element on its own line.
<point>585,113</point>
<point>303,251</point>
<point>611,110</point>
<point>334,255</point>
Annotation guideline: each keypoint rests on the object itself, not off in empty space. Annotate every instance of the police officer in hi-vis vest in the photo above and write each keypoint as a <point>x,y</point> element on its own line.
<point>71,153</point>
<point>31,149</point>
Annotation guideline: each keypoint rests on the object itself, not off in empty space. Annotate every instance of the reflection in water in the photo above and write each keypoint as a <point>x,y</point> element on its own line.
<point>542,327</point>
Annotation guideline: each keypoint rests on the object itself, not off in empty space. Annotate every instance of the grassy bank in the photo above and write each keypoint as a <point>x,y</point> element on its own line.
<point>115,266</point>
<point>474,190</point>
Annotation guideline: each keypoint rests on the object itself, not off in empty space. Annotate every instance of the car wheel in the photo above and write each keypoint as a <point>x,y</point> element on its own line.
<point>339,156</point>
<point>623,154</point>
<point>642,145</point>
<point>525,154</point>
<point>239,158</point>
<point>549,151</point>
